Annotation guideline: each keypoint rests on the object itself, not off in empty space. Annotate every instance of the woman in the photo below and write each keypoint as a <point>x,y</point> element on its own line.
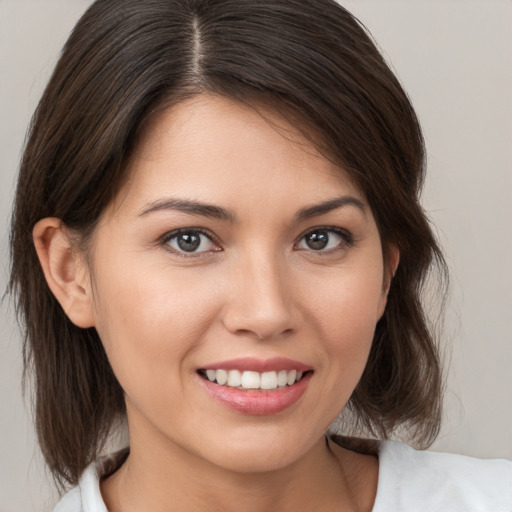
<point>217,235</point>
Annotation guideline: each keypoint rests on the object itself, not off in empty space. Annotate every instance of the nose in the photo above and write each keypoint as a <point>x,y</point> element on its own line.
<point>260,301</point>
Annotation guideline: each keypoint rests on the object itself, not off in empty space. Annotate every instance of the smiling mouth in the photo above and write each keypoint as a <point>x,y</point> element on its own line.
<point>254,381</point>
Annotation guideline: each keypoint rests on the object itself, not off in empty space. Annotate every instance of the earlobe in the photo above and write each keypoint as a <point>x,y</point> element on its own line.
<point>65,271</point>
<point>391,265</point>
<point>393,260</point>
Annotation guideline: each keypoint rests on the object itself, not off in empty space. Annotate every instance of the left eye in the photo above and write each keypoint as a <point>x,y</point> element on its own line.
<point>322,240</point>
<point>190,241</point>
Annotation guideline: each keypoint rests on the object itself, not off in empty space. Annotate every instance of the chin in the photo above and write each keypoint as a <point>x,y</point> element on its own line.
<point>259,452</point>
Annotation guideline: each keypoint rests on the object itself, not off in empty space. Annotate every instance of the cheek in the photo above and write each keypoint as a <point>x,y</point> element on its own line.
<point>346,312</point>
<point>150,322</point>
<point>353,299</point>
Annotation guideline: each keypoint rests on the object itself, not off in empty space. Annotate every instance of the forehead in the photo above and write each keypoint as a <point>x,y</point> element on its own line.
<point>215,149</point>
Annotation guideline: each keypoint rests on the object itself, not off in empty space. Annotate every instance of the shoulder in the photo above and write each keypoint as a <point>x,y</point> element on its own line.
<point>70,502</point>
<point>423,480</point>
<point>86,496</point>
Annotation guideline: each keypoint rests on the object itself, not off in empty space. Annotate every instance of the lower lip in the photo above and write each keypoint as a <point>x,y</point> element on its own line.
<point>258,403</point>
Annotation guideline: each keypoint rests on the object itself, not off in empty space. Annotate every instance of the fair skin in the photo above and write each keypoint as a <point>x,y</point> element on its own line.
<point>260,276</point>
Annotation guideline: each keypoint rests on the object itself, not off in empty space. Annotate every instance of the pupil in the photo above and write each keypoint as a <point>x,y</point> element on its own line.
<point>189,241</point>
<point>318,240</point>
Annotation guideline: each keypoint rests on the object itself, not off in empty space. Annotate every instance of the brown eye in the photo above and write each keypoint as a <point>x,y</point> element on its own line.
<point>190,241</point>
<point>317,240</point>
<point>324,239</point>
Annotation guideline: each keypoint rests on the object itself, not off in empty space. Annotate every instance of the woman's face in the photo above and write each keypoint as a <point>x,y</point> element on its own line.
<point>235,251</point>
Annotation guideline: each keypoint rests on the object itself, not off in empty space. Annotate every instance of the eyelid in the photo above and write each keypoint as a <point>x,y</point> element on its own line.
<point>347,236</point>
<point>164,241</point>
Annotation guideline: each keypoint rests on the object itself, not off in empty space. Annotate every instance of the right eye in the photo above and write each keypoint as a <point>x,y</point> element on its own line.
<point>190,241</point>
<point>325,239</point>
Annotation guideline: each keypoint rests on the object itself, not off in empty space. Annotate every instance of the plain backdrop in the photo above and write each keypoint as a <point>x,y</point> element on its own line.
<point>455,60</point>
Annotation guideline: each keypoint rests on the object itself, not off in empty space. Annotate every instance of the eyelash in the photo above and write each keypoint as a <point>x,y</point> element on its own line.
<point>347,240</point>
<point>184,254</point>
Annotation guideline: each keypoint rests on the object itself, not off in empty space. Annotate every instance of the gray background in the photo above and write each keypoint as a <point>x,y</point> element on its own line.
<point>455,60</point>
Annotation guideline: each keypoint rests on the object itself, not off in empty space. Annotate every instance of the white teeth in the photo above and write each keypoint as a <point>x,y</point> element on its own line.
<point>282,378</point>
<point>221,377</point>
<point>234,378</point>
<point>254,380</point>
<point>251,380</point>
<point>268,380</point>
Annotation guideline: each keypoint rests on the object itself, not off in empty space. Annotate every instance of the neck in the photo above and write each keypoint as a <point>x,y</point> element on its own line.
<point>173,479</point>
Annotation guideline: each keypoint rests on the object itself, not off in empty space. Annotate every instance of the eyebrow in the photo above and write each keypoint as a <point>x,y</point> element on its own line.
<point>327,206</point>
<point>219,213</point>
<point>192,207</point>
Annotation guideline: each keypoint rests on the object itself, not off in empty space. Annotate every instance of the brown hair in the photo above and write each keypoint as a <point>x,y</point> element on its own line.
<point>309,59</point>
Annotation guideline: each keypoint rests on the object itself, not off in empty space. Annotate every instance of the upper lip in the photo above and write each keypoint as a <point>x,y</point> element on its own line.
<point>258,365</point>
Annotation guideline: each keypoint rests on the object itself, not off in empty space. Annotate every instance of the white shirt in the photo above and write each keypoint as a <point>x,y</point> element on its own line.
<point>409,481</point>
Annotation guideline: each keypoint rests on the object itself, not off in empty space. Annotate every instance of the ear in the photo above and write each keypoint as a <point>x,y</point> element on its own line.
<point>391,261</point>
<point>65,271</point>
<point>391,264</point>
